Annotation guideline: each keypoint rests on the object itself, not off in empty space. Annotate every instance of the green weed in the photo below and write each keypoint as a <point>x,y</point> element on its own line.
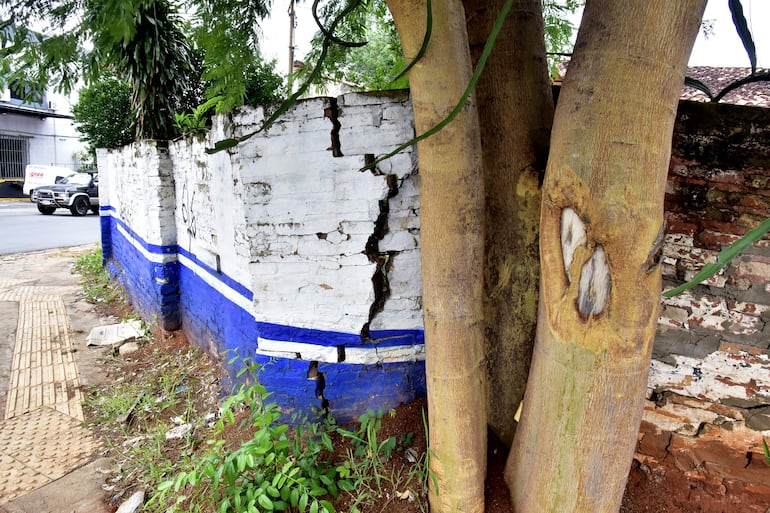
<point>274,470</point>
<point>95,279</point>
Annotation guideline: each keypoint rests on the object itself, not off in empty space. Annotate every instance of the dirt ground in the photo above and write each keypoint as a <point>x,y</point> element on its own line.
<point>100,368</point>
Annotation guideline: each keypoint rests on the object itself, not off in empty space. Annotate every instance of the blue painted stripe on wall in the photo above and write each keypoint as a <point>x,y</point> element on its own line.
<point>281,332</point>
<point>209,316</point>
<point>158,249</point>
<point>237,287</point>
<point>332,338</point>
<point>350,388</point>
<point>173,248</point>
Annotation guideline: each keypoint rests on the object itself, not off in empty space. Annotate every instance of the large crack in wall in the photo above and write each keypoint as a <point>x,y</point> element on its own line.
<point>382,259</point>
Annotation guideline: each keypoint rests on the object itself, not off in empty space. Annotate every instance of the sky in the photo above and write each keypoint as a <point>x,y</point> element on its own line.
<point>722,48</point>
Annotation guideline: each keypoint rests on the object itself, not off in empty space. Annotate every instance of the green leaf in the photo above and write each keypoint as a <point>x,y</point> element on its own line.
<point>224,144</point>
<point>318,491</point>
<point>725,256</point>
<point>327,442</point>
<point>303,501</point>
<point>328,506</point>
<point>314,506</point>
<point>739,20</point>
<point>766,449</point>
<point>700,86</point>
<point>265,502</point>
<point>165,485</point>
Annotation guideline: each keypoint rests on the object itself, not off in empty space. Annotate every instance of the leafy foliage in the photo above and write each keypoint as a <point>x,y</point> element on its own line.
<point>263,85</point>
<point>273,470</point>
<point>147,45</point>
<point>103,114</point>
<point>375,65</point>
<point>369,66</point>
<point>230,45</point>
<point>96,280</point>
<point>558,30</point>
<point>196,121</point>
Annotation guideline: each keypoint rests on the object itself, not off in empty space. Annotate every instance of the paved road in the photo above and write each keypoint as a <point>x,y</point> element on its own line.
<point>23,228</point>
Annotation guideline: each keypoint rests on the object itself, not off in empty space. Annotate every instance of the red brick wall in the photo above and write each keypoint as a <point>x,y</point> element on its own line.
<point>709,384</point>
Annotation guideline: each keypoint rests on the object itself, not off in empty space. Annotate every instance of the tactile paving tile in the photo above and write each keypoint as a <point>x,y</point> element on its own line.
<point>32,293</point>
<point>43,370</point>
<point>38,447</point>
<point>10,282</point>
<point>16,479</point>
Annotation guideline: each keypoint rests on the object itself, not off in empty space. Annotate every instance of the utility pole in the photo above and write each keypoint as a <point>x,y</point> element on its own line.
<point>292,26</point>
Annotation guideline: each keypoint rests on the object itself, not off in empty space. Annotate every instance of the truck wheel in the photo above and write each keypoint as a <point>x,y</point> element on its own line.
<point>45,210</point>
<point>80,206</point>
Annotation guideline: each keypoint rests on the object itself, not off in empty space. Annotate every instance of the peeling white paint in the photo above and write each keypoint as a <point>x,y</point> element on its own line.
<point>716,377</point>
<point>329,354</point>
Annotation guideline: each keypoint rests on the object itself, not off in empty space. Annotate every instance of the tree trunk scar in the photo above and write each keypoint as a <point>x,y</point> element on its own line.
<point>656,252</point>
<point>594,288</point>
<point>573,235</point>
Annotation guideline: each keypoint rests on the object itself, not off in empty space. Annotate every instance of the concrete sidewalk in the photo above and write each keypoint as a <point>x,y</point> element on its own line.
<point>42,436</point>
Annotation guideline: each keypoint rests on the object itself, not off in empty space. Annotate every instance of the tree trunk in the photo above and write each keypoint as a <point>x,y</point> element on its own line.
<point>452,240</point>
<point>515,103</point>
<point>601,225</point>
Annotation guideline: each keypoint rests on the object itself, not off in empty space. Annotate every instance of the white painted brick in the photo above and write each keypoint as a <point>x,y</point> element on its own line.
<point>260,205</point>
<point>719,375</point>
<point>306,351</point>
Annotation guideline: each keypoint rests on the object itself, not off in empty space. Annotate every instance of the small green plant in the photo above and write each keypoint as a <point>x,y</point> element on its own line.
<point>367,450</point>
<point>135,412</point>
<point>274,470</point>
<point>766,449</point>
<point>366,470</point>
<point>96,280</point>
<point>196,122</point>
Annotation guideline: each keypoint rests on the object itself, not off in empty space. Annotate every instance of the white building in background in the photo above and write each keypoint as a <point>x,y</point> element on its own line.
<point>36,133</point>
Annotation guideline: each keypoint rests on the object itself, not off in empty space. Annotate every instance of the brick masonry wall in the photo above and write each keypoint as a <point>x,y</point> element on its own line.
<point>709,384</point>
<point>284,249</point>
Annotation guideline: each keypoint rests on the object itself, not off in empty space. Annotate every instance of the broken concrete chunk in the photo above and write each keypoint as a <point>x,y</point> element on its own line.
<point>128,348</point>
<point>178,431</point>
<point>133,503</point>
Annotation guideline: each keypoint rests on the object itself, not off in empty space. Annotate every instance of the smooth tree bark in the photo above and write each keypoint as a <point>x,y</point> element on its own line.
<point>515,105</point>
<point>601,229</point>
<point>452,242</point>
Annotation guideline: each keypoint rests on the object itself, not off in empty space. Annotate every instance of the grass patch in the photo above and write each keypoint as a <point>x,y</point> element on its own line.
<point>95,279</point>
